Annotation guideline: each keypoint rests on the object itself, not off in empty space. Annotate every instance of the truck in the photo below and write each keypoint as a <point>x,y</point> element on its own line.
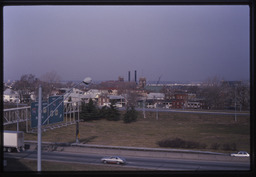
<point>13,140</point>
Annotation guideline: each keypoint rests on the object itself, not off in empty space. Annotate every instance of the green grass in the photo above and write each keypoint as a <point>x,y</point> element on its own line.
<point>202,128</point>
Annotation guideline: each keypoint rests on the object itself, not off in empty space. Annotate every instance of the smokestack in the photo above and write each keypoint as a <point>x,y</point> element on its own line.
<point>135,76</point>
<point>129,76</point>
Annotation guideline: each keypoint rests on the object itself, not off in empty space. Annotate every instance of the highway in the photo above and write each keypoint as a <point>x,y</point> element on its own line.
<point>191,111</point>
<point>144,163</point>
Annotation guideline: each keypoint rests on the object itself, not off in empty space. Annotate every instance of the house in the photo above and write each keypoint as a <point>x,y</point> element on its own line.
<point>180,101</point>
<point>105,100</point>
<point>154,99</point>
<point>155,96</point>
<point>11,96</point>
<point>181,96</point>
<point>119,100</point>
<point>167,104</point>
<point>179,104</point>
<point>194,102</point>
<point>74,95</point>
<point>93,94</point>
<point>194,105</point>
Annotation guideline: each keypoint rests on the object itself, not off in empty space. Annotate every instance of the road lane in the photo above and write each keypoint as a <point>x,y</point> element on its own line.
<point>191,111</point>
<point>191,165</point>
<point>138,162</point>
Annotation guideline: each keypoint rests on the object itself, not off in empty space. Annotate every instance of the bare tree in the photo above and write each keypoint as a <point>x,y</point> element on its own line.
<point>212,93</point>
<point>240,96</point>
<point>50,81</point>
<point>25,86</point>
<point>69,84</point>
<point>51,77</point>
<point>221,94</point>
<point>131,98</point>
<point>243,96</point>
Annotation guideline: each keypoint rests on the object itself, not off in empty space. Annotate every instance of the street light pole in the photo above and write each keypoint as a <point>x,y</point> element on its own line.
<point>144,114</point>
<point>86,81</point>
<point>77,131</point>
<point>235,105</point>
<point>39,135</point>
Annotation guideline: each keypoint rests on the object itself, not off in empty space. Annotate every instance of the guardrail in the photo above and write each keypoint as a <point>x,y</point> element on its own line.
<point>145,149</point>
<point>128,148</point>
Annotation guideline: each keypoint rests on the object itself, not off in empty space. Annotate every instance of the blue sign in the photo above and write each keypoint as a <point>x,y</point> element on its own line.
<point>58,114</point>
<point>34,113</point>
<point>53,116</point>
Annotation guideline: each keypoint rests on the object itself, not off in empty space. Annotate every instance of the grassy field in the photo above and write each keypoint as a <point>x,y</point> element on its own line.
<point>202,128</point>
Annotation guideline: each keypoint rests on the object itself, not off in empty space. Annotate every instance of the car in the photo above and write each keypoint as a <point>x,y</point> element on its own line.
<point>114,160</point>
<point>240,154</point>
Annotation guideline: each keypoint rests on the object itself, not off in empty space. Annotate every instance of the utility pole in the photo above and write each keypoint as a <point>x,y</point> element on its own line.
<point>156,112</point>
<point>235,105</point>
<point>39,137</point>
<point>18,118</point>
<point>144,114</point>
<point>156,109</point>
<point>77,131</point>
<point>77,124</point>
<point>39,131</point>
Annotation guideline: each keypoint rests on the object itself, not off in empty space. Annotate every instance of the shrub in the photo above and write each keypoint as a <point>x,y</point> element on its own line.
<point>113,113</point>
<point>130,115</point>
<point>179,143</point>
<point>229,147</point>
<point>215,146</point>
<point>233,147</point>
<point>225,147</point>
<point>104,111</point>
<point>89,111</point>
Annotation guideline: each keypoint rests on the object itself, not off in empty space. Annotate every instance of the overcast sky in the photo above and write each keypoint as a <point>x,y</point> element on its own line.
<point>179,43</point>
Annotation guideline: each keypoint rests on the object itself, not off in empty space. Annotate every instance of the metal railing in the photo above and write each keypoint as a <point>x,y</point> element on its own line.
<point>16,115</point>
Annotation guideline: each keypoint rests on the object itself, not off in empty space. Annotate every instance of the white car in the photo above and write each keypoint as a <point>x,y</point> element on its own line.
<point>240,154</point>
<point>114,159</point>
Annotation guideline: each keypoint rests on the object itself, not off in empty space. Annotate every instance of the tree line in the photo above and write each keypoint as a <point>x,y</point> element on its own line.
<point>221,95</point>
<point>29,84</point>
<point>215,93</point>
<point>90,111</point>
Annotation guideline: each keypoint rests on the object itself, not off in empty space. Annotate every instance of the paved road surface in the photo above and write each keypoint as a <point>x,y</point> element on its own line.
<point>138,162</point>
<point>191,111</point>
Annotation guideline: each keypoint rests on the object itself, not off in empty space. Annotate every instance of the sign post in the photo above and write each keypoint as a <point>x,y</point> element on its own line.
<point>77,132</point>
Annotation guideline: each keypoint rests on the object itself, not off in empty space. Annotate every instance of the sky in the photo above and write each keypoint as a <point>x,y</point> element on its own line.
<point>176,43</point>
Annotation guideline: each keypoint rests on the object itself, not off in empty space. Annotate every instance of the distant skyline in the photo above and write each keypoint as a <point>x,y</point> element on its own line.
<point>178,43</point>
